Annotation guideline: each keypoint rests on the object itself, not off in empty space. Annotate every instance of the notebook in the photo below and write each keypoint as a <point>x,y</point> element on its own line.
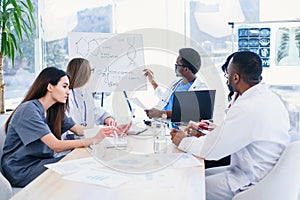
<point>193,105</point>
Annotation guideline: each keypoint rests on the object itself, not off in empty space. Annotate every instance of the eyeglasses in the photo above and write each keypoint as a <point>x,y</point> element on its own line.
<point>226,75</point>
<point>178,65</point>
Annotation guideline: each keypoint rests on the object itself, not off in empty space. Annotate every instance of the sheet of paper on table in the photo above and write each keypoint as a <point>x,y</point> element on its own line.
<point>68,167</point>
<point>102,177</point>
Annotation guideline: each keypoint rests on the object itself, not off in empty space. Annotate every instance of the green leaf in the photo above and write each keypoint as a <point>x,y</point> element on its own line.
<point>3,43</point>
<point>17,26</point>
<point>16,21</point>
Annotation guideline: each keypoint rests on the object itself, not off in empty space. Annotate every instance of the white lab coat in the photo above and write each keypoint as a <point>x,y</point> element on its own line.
<point>254,133</point>
<point>94,114</point>
<point>89,116</point>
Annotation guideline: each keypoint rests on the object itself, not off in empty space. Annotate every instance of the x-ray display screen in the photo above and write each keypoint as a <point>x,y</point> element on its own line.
<point>287,46</point>
<point>256,40</point>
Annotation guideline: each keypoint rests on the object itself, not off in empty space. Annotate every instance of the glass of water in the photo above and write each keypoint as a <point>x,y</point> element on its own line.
<point>159,137</point>
<point>158,128</point>
<point>160,144</point>
<point>120,141</point>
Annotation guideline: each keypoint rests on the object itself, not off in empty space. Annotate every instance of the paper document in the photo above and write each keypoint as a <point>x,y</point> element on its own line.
<point>72,166</point>
<point>187,160</point>
<point>137,128</point>
<point>137,102</point>
<point>161,179</point>
<point>101,177</point>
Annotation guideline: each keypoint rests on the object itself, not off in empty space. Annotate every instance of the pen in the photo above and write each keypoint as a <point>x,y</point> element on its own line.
<point>195,129</point>
<point>203,126</point>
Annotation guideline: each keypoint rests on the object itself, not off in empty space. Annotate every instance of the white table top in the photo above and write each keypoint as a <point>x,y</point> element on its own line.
<point>189,182</point>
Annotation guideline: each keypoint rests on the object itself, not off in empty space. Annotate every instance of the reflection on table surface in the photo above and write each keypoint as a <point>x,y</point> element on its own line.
<point>133,173</point>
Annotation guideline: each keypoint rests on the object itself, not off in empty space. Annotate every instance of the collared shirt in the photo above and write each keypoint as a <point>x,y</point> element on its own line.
<point>180,87</point>
<point>254,133</point>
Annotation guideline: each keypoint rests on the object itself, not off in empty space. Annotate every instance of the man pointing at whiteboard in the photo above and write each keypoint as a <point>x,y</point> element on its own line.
<point>187,65</point>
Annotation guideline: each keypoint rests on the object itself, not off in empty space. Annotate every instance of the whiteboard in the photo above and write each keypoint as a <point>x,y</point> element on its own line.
<point>117,60</point>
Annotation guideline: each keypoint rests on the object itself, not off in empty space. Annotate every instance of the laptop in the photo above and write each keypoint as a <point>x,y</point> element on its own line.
<point>193,105</point>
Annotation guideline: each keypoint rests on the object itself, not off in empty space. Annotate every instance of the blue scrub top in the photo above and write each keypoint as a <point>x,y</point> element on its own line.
<point>180,88</point>
<point>24,154</point>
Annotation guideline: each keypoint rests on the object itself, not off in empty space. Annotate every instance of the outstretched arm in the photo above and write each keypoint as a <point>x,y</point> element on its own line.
<point>63,145</point>
<point>150,76</point>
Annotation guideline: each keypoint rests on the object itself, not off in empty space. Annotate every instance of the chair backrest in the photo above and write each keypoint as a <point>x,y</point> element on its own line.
<point>2,139</point>
<point>3,118</point>
<point>283,181</point>
<point>5,188</point>
<point>6,191</point>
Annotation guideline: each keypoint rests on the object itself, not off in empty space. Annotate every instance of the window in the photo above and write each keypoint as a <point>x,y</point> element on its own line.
<point>19,77</point>
<point>205,22</point>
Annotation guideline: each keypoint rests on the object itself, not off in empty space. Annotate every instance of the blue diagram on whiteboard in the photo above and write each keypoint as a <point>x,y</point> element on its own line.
<point>117,60</point>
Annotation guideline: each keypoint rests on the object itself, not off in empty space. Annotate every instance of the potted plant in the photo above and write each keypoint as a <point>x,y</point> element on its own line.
<point>16,21</point>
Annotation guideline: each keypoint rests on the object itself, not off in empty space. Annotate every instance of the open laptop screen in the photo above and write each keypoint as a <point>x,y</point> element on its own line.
<point>193,105</point>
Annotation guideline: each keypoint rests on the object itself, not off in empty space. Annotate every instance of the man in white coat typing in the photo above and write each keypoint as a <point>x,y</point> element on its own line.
<point>254,132</point>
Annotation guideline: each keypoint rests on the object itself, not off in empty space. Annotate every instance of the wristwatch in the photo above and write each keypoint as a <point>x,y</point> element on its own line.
<point>164,114</point>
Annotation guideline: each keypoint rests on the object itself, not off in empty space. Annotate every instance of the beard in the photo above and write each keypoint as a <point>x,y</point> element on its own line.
<point>231,91</point>
<point>229,86</point>
<point>178,74</point>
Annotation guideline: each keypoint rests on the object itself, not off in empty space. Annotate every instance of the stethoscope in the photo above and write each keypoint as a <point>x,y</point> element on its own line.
<point>171,90</point>
<point>84,108</point>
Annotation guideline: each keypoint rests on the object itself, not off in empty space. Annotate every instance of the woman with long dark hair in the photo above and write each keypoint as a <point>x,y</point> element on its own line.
<point>35,127</point>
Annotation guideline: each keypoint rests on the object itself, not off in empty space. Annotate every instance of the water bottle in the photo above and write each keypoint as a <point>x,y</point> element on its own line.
<point>160,140</point>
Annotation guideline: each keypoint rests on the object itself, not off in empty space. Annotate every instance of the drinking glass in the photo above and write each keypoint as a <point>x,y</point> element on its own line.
<point>120,141</point>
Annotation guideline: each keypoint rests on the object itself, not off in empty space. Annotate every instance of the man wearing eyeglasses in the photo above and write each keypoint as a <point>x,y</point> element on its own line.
<point>254,132</point>
<point>187,65</point>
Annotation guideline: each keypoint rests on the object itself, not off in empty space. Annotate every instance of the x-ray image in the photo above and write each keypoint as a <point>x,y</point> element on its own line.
<point>288,46</point>
<point>243,43</point>
<point>253,43</point>
<point>254,32</point>
<point>264,42</point>
<point>265,32</point>
<point>256,40</point>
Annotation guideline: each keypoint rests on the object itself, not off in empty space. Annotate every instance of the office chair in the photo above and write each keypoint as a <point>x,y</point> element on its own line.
<point>283,181</point>
<point>2,139</point>
<point>6,191</point>
<point>5,187</point>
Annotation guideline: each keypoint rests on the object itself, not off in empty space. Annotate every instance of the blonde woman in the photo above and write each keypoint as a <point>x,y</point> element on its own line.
<point>81,103</point>
<point>82,106</point>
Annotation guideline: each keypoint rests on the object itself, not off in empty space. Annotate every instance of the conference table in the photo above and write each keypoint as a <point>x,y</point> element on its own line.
<point>146,175</point>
